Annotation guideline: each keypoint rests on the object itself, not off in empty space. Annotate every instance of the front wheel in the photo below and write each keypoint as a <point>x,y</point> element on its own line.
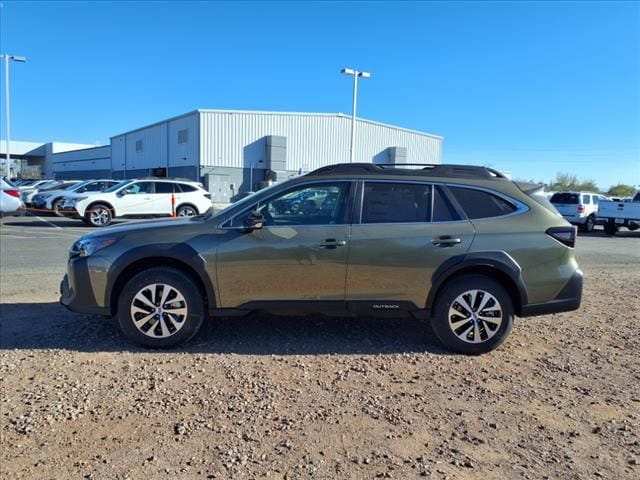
<point>98,215</point>
<point>610,228</point>
<point>161,308</point>
<point>473,314</point>
<point>57,205</point>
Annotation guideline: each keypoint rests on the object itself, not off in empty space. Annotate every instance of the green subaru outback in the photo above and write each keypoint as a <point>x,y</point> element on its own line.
<point>461,246</point>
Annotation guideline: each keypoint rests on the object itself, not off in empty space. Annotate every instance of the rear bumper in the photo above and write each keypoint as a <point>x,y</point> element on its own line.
<point>568,299</point>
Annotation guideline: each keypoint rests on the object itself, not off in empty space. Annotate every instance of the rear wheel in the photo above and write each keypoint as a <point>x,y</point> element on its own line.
<point>186,211</point>
<point>473,314</point>
<point>98,215</point>
<point>589,223</point>
<point>160,308</point>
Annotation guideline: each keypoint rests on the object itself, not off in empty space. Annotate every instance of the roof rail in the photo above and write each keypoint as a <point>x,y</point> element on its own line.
<point>428,169</point>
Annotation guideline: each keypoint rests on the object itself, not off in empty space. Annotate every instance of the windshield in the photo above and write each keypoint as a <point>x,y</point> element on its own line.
<point>75,186</point>
<point>117,186</point>
<point>565,198</point>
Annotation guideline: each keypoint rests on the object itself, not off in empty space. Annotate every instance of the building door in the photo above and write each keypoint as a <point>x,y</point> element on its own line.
<point>218,186</point>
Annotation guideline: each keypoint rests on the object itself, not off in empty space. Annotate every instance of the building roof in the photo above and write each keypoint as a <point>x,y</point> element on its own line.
<point>293,114</point>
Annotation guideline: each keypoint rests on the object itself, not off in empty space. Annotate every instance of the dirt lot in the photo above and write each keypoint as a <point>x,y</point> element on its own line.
<point>316,397</point>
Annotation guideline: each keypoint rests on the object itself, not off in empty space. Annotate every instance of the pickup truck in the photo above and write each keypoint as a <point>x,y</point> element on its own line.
<point>620,214</point>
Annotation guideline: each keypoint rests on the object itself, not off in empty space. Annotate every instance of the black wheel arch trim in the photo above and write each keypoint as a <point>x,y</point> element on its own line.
<point>101,202</point>
<point>175,255</point>
<point>500,261</point>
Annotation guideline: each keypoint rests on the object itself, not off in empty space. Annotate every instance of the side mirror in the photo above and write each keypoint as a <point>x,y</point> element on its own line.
<point>121,193</point>
<point>253,221</point>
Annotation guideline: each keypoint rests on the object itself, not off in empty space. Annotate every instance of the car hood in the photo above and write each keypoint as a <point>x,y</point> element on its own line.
<point>144,226</point>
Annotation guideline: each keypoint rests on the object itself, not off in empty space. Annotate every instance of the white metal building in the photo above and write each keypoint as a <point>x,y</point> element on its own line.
<point>235,151</point>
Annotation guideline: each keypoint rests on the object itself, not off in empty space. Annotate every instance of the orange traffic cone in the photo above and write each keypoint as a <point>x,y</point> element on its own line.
<point>173,206</point>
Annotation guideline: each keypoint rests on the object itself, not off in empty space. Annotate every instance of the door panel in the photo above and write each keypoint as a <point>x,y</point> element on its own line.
<point>299,255</point>
<point>138,200</point>
<point>396,261</point>
<point>282,263</point>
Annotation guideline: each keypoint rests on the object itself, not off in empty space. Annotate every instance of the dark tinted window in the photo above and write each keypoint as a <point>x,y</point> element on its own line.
<point>185,187</point>
<point>443,209</point>
<point>565,198</point>
<point>164,187</point>
<point>396,203</point>
<point>480,204</point>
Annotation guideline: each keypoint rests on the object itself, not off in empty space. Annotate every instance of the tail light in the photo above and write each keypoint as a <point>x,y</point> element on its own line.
<point>207,195</point>
<point>565,235</point>
<point>13,192</point>
<point>581,208</point>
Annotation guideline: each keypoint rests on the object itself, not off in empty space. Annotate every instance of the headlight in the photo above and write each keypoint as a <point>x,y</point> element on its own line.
<point>88,246</point>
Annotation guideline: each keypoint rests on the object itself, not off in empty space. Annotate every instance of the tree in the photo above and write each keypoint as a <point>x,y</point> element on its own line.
<point>568,181</point>
<point>563,182</point>
<point>621,190</point>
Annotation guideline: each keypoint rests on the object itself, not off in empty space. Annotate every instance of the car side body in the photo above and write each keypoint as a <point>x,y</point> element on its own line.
<point>380,243</point>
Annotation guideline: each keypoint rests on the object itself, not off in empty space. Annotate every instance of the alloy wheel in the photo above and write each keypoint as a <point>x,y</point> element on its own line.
<point>159,310</point>
<point>475,316</point>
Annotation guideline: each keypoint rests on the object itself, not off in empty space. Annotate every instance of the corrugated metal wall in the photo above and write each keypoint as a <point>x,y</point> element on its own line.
<point>313,140</point>
<point>157,146</point>
<point>82,160</point>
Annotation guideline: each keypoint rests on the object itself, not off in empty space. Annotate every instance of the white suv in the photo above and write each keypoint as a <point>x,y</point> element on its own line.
<point>578,208</point>
<point>139,198</point>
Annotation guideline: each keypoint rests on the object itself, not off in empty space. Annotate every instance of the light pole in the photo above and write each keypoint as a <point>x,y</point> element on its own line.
<point>356,74</point>
<point>6,59</point>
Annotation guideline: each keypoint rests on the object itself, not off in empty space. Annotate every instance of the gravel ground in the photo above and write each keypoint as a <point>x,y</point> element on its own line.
<point>283,397</point>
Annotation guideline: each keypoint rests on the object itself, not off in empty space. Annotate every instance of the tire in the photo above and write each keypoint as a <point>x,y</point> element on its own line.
<point>161,330</point>
<point>98,215</point>
<point>610,228</point>
<point>56,205</point>
<point>589,223</point>
<point>458,335</point>
<point>186,211</point>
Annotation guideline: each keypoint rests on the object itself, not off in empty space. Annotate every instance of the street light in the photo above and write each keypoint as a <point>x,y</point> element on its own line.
<point>6,58</point>
<point>356,74</point>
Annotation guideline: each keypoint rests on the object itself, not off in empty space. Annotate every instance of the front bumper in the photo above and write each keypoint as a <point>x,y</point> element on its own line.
<point>76,293</point>
<point>568,299</point>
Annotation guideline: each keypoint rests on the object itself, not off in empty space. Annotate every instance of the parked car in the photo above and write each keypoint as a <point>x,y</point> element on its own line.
<point>139,198</point>
<point>462,246</point>
<point>615,214</point>
<point>10,202</point>
<point>52,200</point>
<point>28,193</point>
<point>578,208</point>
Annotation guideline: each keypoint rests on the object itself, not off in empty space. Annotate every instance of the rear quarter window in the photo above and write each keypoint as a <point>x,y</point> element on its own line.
<point>481,204</point>
<point>185,187</point>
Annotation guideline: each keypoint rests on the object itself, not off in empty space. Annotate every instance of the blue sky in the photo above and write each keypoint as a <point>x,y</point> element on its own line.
<point>534,88</point>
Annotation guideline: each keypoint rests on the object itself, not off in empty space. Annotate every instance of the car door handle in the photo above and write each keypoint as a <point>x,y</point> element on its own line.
<point>446,241</point>
<point>332,243</point>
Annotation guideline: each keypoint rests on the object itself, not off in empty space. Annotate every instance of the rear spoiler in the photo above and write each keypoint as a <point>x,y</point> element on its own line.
<point>536,192</point>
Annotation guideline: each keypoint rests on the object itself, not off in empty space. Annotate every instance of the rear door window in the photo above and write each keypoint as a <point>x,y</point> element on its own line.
<point>566,198</point>
<point>481,204</point>
<point>164,187</point>
<point>396,203</point>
